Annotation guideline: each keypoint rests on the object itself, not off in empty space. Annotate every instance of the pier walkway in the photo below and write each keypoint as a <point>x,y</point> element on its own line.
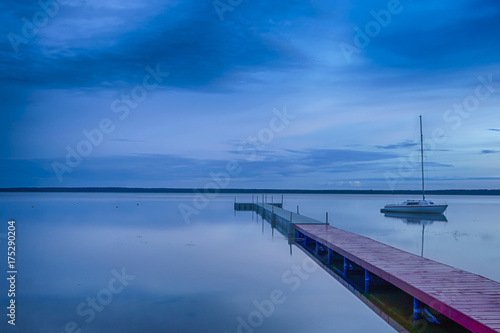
<point>468,299</point>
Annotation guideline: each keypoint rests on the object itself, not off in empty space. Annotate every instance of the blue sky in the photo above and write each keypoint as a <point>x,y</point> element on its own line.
<point>250,94</point>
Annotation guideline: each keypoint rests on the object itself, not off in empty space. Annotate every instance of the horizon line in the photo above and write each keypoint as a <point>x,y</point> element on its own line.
<point>243,190</point>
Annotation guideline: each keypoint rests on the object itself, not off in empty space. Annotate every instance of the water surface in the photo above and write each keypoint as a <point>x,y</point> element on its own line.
<point>132,263</point>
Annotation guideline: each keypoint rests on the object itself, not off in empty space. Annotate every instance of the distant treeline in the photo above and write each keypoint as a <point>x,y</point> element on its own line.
<point>240,191</point>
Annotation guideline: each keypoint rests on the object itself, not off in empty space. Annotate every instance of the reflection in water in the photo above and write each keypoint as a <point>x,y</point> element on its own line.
<point>389,302</point>
<point>422,219</point>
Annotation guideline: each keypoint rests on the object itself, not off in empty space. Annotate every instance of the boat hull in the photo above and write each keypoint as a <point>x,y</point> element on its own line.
<point>430,209</point>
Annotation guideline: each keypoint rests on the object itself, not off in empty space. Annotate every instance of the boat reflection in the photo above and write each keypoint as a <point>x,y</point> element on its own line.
<point>417,218</point>
<point>422,219</point>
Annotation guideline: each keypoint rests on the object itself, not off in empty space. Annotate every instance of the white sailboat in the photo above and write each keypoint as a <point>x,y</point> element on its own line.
<point>417,206</point>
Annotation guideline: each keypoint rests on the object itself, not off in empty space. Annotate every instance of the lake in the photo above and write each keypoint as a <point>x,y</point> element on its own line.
<point>109,262</point>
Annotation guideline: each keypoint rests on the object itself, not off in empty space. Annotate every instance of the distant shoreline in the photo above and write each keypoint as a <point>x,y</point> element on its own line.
<point>237,191</point>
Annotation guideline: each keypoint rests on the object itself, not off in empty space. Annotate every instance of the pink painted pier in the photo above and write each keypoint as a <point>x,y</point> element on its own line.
<point>468,299</point>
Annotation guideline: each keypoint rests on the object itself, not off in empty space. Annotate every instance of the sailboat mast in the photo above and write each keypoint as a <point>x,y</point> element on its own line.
<point>422,157</point>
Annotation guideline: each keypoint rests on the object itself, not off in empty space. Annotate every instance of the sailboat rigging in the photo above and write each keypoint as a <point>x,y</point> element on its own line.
<point>417,206</point>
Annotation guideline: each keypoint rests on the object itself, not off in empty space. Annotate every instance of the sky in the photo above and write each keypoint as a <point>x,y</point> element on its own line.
<point>296,94</point>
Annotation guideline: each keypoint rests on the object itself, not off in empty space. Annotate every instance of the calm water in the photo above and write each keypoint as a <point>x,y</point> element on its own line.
<point>131,263</point>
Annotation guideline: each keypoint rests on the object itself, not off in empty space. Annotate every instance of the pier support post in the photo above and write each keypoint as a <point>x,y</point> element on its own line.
<point>418,309</point>
<point>367,281</point>
<point>418,312</point>
<point>282,201</point>
<point>298,209</point>
<point>252,207</point>
<point>291,217</point>
<point>327,218</point>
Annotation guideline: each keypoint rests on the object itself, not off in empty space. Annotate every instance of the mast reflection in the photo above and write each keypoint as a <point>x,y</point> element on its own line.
<point>422,219</point>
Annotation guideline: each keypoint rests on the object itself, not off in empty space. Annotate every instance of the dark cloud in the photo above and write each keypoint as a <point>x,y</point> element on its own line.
<point>404,144</point>
<point>489,151</point>
<point>441,36</point>
<point>187,40</point>
<point>167,169</point>
<point>318,157</point>
<point>199,49</point>
<point>301,163</point>
<point>436,164</point>
<point>126,140</point>
<point>19,172</point>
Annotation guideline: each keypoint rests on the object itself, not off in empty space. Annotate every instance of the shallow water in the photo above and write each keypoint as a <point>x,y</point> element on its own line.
<point>132,263</point>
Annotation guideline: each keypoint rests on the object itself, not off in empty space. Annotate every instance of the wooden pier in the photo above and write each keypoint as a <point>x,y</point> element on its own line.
<point>469,300</point>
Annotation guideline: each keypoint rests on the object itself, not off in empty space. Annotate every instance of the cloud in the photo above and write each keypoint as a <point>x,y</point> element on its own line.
<point>489,151</point>
<point>318,157</point>
<point>115,44</point>
<point>436,164</point>
<point>126,140</point>
<point>166,170</point>
<point>494,129</point>
<point>404,144</point>
<point>408,43</point>
<point>310,162</point>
